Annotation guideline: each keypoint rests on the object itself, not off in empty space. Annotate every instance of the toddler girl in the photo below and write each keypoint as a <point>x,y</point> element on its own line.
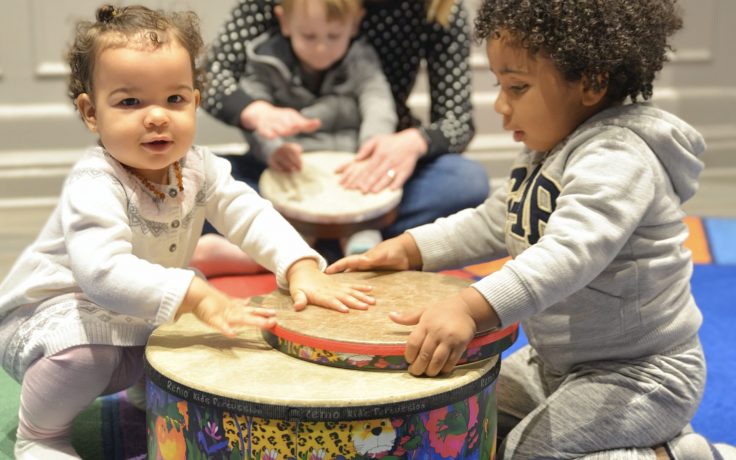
<point>110,264</point>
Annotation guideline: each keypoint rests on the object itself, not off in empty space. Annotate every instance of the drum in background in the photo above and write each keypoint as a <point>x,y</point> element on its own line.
<point>213,397</point>
<point>368,339</point>
<point>317,205</point>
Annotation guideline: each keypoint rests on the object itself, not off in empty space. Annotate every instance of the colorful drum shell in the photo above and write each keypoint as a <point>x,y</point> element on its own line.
<point>213,397</point>
<point>369,340</point>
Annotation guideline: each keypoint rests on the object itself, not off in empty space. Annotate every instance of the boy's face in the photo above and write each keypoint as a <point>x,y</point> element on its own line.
<point>144,106</point>
<point>317,42</point>
<point>538,105</point>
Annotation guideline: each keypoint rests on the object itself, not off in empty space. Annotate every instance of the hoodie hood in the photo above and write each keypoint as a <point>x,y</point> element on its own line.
<point>677,145</point>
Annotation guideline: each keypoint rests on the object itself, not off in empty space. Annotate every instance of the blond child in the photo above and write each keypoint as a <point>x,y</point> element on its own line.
<point>591,217</point>
<point>110,264</point>
<point>311,69</point>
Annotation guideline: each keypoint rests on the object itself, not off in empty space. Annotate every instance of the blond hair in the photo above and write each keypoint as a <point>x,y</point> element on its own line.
<point>336,9</point>
<point>439,11</point>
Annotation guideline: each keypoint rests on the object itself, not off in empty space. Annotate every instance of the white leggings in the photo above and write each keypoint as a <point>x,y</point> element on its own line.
<point>57,388</point>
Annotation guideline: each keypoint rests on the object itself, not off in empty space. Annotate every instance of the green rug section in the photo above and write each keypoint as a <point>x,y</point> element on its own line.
<point>10,391</point>
<point>86,437</point>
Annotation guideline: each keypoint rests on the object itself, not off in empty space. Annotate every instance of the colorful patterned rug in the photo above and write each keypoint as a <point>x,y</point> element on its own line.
<point>112,429</point>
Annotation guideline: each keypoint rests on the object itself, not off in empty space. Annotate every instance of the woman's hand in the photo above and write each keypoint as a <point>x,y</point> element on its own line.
<point>222,312</point>
<point>398,253</point>
<point>271,122</point>
<point>308,285</point>
<point>384,161</point>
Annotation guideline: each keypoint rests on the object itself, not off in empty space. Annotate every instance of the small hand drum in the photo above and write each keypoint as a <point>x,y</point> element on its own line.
<point>316,204</point>
<point>369,340</point>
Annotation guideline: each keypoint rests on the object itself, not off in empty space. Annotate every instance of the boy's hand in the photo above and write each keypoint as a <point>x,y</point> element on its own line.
<point>398,253</point>
<point>308,285</point>
<point>443,331</point>
<point>222,312</point>
<point>271,122</point>
<point>287,158</point>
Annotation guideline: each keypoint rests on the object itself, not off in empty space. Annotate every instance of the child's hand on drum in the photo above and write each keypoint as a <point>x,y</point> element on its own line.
<point>399,253</point>
<point>287,158</point>
<point>443,331</point>
<point>308,285</point>
<point>222,312</point>
<point>271,122</point>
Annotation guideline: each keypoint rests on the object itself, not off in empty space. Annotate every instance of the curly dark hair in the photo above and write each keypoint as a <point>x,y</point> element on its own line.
<point>618,44</point>
<point>118,26</point>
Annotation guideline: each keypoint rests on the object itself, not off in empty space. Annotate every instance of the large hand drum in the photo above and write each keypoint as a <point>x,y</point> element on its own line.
<point>316,204</point>
<point>213,397</point>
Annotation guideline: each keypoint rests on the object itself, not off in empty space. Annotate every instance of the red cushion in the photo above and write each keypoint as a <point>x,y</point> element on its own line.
<point>245,285</point>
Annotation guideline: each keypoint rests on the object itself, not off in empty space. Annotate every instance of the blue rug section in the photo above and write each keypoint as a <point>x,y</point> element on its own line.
<point>714,289</point>
<point>721,234</point>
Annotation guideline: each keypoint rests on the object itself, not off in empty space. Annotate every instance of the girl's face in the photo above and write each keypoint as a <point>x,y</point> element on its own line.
<point>317,42</point>
<point>144,106</point>
<point>538,105</point>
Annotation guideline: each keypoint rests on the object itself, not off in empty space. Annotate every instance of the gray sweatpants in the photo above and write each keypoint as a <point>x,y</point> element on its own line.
<point>602,410</point>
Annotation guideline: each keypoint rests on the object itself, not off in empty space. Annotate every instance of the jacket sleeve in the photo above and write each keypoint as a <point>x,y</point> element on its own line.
<point>225,98</point>
<point>251,222</point>
<point>375,101</point>
<point>468,237</point>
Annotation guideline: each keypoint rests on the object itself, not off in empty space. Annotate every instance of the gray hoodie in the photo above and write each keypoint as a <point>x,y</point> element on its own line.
<point>354,101</point>
<point>595,232</point>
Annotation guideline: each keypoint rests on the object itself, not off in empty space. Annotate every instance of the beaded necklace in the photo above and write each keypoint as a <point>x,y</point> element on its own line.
<point>152,188</point>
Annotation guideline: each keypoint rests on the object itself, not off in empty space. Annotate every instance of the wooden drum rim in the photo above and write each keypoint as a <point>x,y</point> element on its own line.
<point>317,413</point>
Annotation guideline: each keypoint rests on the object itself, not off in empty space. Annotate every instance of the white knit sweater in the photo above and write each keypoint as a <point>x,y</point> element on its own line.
<point>110,263</point>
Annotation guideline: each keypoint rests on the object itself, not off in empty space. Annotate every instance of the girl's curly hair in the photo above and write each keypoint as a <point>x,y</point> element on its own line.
<point>618,44</point>
<point>119,26</point>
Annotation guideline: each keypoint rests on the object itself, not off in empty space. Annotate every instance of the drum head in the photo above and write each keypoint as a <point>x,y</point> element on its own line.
<point>315,195</point>
<point>370,339</point>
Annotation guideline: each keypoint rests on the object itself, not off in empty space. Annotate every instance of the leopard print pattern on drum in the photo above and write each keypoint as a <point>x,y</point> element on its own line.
<point>276,438</point>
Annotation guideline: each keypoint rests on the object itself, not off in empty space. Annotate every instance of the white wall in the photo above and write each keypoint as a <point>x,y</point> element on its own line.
<point>41,135</point>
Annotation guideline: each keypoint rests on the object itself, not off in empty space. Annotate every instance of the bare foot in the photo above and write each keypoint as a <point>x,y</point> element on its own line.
<point>216,256</point>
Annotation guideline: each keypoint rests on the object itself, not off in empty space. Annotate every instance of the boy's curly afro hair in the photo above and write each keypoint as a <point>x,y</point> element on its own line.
<point>621,44</point>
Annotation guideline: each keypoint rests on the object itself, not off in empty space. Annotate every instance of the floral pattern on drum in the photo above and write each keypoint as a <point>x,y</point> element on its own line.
<point>180,429</point>
<point>378,360</point>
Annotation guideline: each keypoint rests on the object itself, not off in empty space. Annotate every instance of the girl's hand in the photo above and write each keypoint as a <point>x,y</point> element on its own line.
<point>271,122</point>
<point>443,331</point>
<point>222,312</point>
<point>398,253</point>
<point>384,161</point>
<point>308,285</point>
<point>287,158</point>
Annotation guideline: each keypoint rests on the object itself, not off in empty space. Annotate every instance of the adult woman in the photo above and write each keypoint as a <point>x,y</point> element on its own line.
<point>418,158</point>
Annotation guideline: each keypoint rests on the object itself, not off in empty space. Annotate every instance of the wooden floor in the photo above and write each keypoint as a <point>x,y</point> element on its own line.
<point>19,227</point>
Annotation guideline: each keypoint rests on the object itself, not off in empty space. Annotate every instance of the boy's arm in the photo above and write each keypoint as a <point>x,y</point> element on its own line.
<point>467,237</point>
<point>375,100</point>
